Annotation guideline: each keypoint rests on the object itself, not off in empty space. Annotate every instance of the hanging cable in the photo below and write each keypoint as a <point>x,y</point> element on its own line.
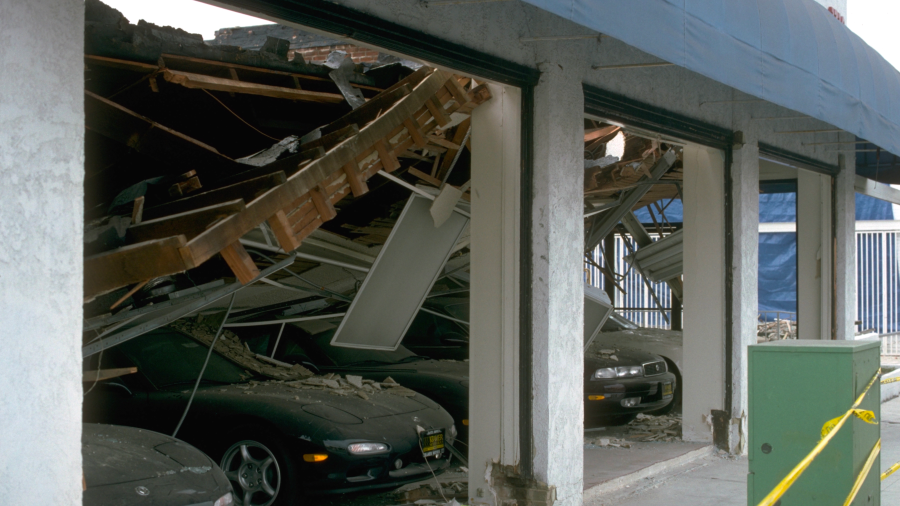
<point>240,118</point>
<point>203,369</point>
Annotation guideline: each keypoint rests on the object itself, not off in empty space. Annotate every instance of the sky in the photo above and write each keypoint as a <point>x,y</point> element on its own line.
<point>873,20</point>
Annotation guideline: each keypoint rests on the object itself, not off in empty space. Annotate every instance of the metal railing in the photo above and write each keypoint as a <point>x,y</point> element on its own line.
<point>878,280</point>
<point>890,344</point>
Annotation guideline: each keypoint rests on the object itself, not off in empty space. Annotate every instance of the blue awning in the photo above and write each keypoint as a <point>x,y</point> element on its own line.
<point>793,53</point>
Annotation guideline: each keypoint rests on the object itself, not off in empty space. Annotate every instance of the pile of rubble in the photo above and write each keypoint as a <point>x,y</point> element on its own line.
<point>232,348</point>
<point>776,330</point>
<point>644,428</point>
<point>655,428</point>
<point>607,354</point>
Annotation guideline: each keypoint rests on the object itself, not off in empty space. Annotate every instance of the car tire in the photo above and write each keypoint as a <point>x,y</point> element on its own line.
<point>676,396</point>
<point>259,469</point>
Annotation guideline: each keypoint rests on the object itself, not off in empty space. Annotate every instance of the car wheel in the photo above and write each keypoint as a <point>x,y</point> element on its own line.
<point>259,473</point>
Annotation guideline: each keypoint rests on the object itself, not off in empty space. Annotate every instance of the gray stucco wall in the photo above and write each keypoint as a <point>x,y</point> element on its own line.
<point>41,169</point>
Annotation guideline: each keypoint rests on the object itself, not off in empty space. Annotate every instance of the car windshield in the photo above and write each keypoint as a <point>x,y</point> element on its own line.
<point>617,322</point>
<point>320,346</point>
<point>169,358</point>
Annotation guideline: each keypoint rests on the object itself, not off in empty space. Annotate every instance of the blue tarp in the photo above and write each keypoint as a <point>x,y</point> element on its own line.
<point>793,53</point>
<point>778,252</point>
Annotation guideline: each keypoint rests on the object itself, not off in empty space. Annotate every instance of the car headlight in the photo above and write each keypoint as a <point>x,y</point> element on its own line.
<point>604,373</point>
<point>367,448</point>
<point>619,372</point>
<point>225,500</point>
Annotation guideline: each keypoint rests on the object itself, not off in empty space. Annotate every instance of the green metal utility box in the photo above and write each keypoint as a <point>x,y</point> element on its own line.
<point>796,386</point>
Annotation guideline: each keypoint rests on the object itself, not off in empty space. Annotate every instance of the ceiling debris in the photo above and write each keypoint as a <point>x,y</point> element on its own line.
<point>191,146</point>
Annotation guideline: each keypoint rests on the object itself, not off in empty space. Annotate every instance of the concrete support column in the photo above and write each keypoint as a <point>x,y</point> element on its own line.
<point>494,306</point>
<point>557,303</point>
<point>814,259</point>
<point>845,248</point>
<point>704,290</point>
<point>41,212</point>
<point>744,295</point>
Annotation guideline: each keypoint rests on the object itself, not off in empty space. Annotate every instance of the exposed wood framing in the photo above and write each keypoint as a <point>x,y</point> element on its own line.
<point>201,82</point>
<point>296,205</point>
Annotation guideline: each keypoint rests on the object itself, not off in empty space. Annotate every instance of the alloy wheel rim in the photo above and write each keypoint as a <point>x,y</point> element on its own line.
<point>253,472</point>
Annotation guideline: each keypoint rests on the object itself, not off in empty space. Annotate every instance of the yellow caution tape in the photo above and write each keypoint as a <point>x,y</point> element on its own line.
<point>895,379</point>
<point>862,474</point>
<point>795,473</point>
<point>891,470</point>
<point>863,414</point>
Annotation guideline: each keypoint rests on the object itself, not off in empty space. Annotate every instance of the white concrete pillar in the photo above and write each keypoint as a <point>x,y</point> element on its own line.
<point>41,216</point>
<point>557,303</point>
<point>704,290</point>
<point>845,248</point>
<point>814,281</point>
<point>745,273</point>
<point>494,305</point>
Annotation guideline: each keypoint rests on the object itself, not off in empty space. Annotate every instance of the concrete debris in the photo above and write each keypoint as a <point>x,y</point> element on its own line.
<point>444,494</point>
<point>776,330</point>
<point>607,354</point>
<point>655,428</point>
<point>293,376</point>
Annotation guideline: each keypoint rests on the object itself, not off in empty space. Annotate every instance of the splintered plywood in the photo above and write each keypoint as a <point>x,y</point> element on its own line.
<point>402,275</point>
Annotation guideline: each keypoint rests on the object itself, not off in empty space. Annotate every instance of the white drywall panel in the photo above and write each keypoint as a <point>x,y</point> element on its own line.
<point>494,304</point>
<point>813,255</point>
<point>704,290</point>
<point>41,213</point>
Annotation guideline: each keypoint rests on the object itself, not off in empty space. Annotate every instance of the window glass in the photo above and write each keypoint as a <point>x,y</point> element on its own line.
<point>168,358</point>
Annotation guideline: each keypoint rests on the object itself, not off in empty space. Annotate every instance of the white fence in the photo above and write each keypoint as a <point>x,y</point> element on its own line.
<point>877,280</point>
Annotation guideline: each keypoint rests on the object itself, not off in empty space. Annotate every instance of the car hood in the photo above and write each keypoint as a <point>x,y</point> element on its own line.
<point>263,397</point>
<point>662,342</point>
<point>603,356</point>
<point>454,370</point>
<point>113,454</point>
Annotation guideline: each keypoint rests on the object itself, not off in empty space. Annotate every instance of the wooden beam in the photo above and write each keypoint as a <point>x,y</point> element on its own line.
<point>143,68</point>
<point>367,112</point>
<point>245,270</point>
<point>597,133</point>
<point>232,228</point>
<point>459,93</point>
<point>388,158</point>
<point>424,177</point>
<point>415,133</point>
<point>174,58</point>
<point>458,136</point>
<point>105,374</point>
<point>189,223</point>
<point>440,141</point>
<point>137,212</point>
<point>438,112</point>
<point>280,225</point>
<point>131,264</point>
<point>248,191</point>
<point>330,140</point>
<point>201,82</point>
<point>357,184</point>
<point>321,200</point>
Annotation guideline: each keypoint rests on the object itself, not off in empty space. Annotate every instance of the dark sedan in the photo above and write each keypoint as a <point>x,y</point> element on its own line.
<point>275,440</point>
<point>124,465</point>
<point>620,383</point>
<point>443,381</point>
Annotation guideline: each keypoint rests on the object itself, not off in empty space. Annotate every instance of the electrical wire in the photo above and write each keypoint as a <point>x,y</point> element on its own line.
<point>203,369</point>
<point>240,118</point>
<point>440,487</point>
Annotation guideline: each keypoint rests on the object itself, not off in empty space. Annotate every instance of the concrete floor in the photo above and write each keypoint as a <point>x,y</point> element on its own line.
<point>716,480</point>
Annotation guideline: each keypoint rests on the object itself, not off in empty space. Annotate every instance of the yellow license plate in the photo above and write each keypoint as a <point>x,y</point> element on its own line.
<point>667,389</point>
<point>432,441</point>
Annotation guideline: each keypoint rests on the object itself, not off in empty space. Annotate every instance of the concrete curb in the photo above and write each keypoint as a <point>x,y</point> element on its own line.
<point>647,472</point>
